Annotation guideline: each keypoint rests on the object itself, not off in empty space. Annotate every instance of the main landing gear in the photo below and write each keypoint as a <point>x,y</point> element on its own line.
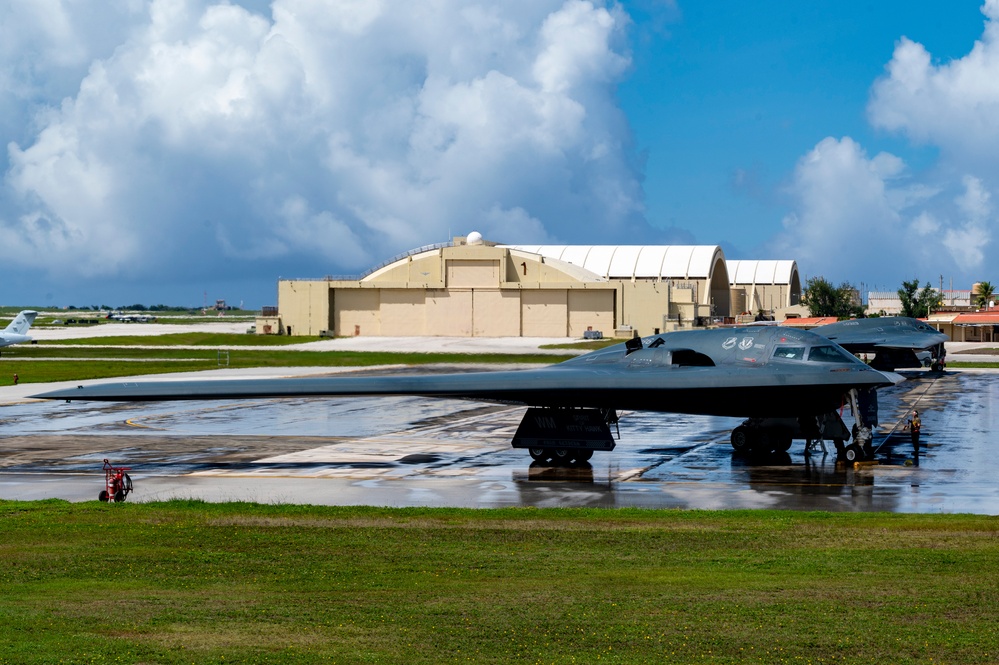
<point>774,435</point>
<point>766,435</point>
<point>565,437</point>
<point>560,456</point>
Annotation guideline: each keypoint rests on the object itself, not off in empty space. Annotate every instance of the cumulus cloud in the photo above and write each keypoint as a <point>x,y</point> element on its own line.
<point>325,135</point>
<point>859,217</point>
<point>841,207</point>
<point>855,217</point>
<point>952,105</point>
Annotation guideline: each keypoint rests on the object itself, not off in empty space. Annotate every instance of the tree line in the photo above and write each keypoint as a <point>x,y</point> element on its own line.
<point>843,301</point>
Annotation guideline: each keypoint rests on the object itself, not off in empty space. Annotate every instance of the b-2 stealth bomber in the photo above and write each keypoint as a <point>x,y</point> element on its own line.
<point>786,383</point>
<point>895,341</point>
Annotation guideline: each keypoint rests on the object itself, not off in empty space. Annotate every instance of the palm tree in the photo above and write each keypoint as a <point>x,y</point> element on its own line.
<point>985,293</point>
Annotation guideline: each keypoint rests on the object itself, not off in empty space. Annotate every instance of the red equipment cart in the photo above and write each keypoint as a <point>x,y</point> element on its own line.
<point>117,483</point>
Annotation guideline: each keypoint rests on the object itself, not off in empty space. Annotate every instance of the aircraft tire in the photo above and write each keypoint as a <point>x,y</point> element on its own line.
<point>764,442</point>
<point>740,439</point>
<point>782,443</point>
<point>563,456</point>
<point>542,455</point>
<point>853,453</point>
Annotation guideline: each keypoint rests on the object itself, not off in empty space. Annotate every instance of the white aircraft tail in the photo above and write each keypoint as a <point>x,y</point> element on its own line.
<point>21,323</point>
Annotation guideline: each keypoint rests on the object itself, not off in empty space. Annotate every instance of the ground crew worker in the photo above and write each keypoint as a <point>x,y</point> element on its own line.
<point>914,425</point>
<point>16,379</point>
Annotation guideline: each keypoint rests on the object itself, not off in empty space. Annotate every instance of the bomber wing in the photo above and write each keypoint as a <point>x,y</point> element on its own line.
<point>754,373</point>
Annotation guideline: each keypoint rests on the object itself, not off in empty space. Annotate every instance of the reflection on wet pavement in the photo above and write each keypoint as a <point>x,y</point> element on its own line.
<point>413,451</point>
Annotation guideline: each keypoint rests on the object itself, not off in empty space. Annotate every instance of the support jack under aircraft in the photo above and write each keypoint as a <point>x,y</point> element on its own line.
<point>788,384</point>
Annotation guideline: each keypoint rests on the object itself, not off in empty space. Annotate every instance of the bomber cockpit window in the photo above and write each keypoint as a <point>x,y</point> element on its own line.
<point>829,354</point>
<point>790,352</point>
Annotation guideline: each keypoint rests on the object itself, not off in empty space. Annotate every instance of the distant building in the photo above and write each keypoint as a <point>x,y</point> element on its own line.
<point>889,302</point>
<point>473,287</point>
<point>884,302</point>
<point>766,286</point>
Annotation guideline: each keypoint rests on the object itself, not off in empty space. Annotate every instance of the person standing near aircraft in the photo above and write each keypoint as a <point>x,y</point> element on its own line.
<point>914,425</point>
<point>15,378</point>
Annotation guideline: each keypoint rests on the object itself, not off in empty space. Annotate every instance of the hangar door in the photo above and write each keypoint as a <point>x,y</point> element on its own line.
<point>591,310</point>
<point>402,311</point>
<point>449,312</point>
<point>544,313</point>
<point>356,312</point>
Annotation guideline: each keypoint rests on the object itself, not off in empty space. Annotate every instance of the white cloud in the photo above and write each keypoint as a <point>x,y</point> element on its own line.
<point>952,105</point>
<point>841,208</point>
<point>328,134</point>
<point>925,226</point>
<point>854,217</point>
<point>966,242</point>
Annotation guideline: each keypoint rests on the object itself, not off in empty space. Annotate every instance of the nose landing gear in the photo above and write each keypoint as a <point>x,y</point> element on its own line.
<point>766,435</point>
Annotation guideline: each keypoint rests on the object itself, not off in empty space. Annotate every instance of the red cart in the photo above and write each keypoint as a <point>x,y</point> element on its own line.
<point>117,483</point>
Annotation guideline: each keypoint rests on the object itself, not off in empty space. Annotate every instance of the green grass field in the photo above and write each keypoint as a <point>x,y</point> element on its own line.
<point>185,582</point>
<point>46,363</point>
<point>186,339</point>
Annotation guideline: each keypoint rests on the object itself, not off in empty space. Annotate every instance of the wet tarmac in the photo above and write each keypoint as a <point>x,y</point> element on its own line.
<point>420,452</point>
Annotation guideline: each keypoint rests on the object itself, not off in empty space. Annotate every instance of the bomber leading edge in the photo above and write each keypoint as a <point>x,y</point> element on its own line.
<point>786,383</point>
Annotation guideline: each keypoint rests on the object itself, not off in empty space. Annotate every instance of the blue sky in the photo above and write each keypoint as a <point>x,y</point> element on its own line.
<point>725,98</point>
<point>178,148</point>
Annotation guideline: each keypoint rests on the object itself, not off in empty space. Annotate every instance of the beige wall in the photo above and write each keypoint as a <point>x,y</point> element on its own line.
<point>496,313</point>
<point>768,297</point>
<point>305,306</point>
<point>643,305</point>
<point>356,312</point>
<point>591,309</point>
<point>449,313</point>
<point>268,325</point>
<point>470,274</point>
<point>544,313</point>
<point>402,312</point>
<point>423,269</point>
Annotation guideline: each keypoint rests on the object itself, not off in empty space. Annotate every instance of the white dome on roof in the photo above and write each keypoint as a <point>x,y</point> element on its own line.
<point>474,238</point>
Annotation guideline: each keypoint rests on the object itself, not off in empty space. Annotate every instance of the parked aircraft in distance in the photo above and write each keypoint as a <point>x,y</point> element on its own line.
<point>17,331</point>
<point>131,318</point>
<point>895,341</point>
<point>786,383</point>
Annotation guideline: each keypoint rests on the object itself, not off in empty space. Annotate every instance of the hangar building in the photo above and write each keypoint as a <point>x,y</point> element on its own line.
<point>764,285</point>
<point>472,287</point>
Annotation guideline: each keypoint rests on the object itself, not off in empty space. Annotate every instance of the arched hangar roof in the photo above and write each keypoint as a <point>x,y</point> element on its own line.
<point>762,272</point>
<point>636,261</point>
